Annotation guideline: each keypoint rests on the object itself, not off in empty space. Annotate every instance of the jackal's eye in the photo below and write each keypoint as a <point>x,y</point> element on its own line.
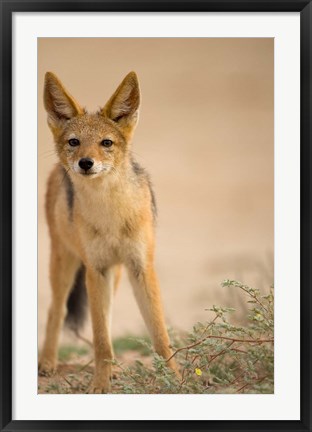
<point>107,143</point>
<point>74,142</point>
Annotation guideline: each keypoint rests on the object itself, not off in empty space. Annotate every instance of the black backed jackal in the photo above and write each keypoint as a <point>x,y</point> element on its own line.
<point>101,211</point>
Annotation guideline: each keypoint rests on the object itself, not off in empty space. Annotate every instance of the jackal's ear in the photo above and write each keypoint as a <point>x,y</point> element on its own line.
<point>59,104</point>
<point>123,106</point>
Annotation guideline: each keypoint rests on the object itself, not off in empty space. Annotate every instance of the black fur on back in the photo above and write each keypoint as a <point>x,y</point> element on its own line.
<point>77,302</point>
<point>140,172</point>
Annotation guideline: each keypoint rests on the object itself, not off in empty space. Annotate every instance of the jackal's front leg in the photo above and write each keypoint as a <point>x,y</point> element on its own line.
<point>63,267</point>
<point>147,294</point>
<point>100,295</point>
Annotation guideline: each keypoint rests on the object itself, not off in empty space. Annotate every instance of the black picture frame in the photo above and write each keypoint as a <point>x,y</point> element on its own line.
<point>7,9</point>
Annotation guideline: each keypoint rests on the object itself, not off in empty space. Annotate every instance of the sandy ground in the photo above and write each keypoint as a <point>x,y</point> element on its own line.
<point>206,137</point>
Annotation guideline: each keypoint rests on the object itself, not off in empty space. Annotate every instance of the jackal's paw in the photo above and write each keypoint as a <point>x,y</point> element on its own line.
<point>99,388</point>
<point>46,368</point>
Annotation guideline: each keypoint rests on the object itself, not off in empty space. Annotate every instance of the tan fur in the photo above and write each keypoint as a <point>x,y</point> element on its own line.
<point>111,222</point>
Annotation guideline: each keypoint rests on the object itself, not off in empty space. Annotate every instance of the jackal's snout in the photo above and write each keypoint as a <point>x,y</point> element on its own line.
<point>86,163</point>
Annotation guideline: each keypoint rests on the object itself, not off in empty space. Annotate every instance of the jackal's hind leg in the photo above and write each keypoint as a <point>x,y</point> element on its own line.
<point>147,293</point>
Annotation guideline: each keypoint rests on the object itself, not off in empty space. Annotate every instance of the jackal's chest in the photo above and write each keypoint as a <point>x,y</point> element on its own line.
<point>105,239</point>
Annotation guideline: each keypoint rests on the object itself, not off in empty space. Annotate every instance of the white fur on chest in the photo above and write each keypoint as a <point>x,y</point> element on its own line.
<point>104,215</point>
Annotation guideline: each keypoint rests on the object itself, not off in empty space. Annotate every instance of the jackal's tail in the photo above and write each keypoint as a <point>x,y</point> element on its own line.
<point>77,302</point>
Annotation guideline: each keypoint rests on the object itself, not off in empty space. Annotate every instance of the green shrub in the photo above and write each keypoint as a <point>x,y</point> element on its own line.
<point>123,344</point>
<point>216,357</point>
<point>66,353</point>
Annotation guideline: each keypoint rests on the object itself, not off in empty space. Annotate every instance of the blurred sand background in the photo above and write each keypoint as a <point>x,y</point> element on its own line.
<point>206,137</point>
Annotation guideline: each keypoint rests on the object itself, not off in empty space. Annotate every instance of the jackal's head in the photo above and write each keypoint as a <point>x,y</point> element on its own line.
<point>92,144</point>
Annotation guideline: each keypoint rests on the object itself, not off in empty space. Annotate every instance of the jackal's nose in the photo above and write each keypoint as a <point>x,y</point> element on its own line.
<point>86,163</point>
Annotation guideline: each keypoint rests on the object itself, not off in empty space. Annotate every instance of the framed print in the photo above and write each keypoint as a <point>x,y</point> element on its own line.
<point>155,229</point>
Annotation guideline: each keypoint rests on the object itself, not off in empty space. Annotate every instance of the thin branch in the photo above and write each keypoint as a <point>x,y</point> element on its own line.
<point>239,350</point>
<point>258,380</point>
<point>85,366</point>
<point>130,376</point>
<point>255,298</point>
<point>213,357</point>
<point>240,375</point>
<point>66,380</point>
<point>209,325</point>
<point>253,341</point>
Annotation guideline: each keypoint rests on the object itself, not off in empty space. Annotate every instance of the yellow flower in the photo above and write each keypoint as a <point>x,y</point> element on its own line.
<point>198,371</point>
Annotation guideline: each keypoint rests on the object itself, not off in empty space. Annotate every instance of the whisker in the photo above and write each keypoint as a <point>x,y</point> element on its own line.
<point>47,156</point>
<point>132,152</point>
<point>47,152</point>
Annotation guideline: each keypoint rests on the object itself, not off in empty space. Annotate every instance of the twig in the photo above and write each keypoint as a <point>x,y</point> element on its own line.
<point>259,380</point>
<point>240,375</point>
<point>129,375</point>
<point>213,357</point>
<point>239,350</point>
<point>66,380</point>
<point>255,341</point>
<point>255,298</point>
<point>209,325</point>
<point>196,357</point>
<point>245,385</point>
<point>85,366</point>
